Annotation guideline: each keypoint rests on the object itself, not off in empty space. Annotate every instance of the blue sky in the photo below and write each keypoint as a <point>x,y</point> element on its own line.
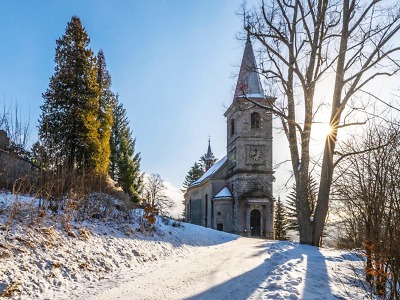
<point>173,63</point>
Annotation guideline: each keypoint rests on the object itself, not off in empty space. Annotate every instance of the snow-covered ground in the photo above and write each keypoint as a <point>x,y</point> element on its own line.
<point>113,260</point>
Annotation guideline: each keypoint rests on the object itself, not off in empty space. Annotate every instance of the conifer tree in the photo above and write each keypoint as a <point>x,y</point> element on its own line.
<point>291,203</point>
<point>195,172</point>
<point>124,162</point>
<point>105,114</point>
<point>69,123</point>
<point>280,221</point>
<point>38,155</point>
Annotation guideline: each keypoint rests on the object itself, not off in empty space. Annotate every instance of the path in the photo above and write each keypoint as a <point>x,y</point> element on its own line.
<point>242,269</point>
<point>196,273</point>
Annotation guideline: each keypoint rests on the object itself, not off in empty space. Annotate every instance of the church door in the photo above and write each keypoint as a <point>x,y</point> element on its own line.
<point>255,222</point>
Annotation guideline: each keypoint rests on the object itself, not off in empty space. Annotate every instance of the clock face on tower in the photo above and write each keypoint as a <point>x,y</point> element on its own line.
<point>255,154</point>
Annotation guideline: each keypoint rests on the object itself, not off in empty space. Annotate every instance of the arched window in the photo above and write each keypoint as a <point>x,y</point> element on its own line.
<point>255,120</point>
<point>232,126</point>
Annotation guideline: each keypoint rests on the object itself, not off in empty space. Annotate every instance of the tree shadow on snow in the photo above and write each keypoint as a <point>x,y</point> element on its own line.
<point>267,277</point>
<point>317,280</point>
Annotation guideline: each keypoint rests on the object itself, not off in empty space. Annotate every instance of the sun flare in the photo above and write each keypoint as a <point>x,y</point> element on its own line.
<point>323,129</point>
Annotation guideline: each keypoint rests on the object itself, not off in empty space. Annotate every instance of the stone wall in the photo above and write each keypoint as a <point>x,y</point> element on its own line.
<point>13,167</point>
<point>223,214</point>
<point>199,204</point>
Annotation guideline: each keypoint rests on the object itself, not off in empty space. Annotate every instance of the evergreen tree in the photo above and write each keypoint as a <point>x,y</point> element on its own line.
<point>195,172</point>
<point>291,203</point>
<point>38,155</point>
<point>124,163</point>
<point>69,123</point>
<point>280,221</point>
<point>106,105</point>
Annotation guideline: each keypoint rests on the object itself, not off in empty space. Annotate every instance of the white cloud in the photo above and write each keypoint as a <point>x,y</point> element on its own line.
<point>176,195</point>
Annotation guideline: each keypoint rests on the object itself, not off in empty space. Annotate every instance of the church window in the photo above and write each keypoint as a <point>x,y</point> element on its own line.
<point>255,120</point>
<point>232,126</point>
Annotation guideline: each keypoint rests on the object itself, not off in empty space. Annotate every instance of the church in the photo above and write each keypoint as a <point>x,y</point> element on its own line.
<point>235,193</point>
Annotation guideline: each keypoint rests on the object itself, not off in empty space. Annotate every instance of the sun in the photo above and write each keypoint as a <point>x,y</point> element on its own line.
<point>326,129</point>
<point>322,129</point>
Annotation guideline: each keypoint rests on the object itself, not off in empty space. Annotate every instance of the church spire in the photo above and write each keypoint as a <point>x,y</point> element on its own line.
<point>249,83</point>
<point>209,157</point>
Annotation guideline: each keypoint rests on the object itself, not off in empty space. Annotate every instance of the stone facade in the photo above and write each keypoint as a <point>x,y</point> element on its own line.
<point>235,194</point>
<point>13,167</point>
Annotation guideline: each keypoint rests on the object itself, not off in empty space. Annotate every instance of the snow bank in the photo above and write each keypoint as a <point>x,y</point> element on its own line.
<point>40,260</point>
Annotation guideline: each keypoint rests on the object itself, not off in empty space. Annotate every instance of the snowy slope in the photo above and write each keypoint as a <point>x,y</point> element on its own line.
<point>113,260</point>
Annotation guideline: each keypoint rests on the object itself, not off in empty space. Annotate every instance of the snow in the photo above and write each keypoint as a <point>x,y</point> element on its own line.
<point>214,168</point>
<point>223,194</point>
<point>252,96</point>
<point>116,260</point>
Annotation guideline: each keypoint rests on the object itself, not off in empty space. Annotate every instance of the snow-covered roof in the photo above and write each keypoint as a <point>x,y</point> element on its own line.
<point>252,96</point>
<point>223,194</point>
<point>215,167</point>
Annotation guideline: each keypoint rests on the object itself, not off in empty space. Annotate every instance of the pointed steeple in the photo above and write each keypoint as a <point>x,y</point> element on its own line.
<point>249,83</point>
<point>209,152</point>
<point>209,157</point>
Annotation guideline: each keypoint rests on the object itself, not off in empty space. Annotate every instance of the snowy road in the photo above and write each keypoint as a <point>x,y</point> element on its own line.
<point>243,269</point>
<point>212,272</point>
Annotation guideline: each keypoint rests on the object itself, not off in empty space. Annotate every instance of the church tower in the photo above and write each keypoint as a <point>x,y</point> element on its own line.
<point>249,152</point>
<point>209,157</point>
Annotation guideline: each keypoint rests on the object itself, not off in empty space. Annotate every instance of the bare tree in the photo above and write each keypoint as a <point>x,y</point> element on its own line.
<point>154,194</point>
<point>367,191</point>
<point>303,41</point>
<point>18,131</point>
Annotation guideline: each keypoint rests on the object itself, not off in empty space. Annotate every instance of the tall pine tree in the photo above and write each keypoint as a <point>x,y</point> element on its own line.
<point>291,203</point>
<point>281,221</point>
<point>124,162</point>
<point>106,106</point>
<point>69,123</point>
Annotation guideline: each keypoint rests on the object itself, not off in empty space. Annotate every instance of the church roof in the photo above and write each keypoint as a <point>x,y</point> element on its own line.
<point>223,194</point>
<point>249,83</point>
<point>215,167</point>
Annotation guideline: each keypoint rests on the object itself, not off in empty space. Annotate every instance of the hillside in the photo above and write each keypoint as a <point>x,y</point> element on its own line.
<point>116,260</point>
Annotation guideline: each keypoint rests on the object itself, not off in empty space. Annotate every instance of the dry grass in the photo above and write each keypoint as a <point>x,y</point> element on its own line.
<point>85,233</point>
<point>11,289</point>
<point>5,253</point>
